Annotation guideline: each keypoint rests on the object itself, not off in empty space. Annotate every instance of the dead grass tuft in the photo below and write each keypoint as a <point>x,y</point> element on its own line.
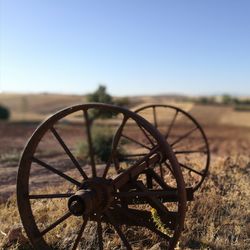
<point>218,218</point>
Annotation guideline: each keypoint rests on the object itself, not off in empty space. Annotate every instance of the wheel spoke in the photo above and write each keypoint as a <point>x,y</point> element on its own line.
<point>169,167</point>
<point>135,141</point>
<point>146,135</point>
<point>171,124</point>
<point>114,146</point>
<point>99,233</point>
<point>132,155</point>
<point>149,180</point>
<point>90,143</point>
<point>47,166</point>
<point>107,167</point>
<point>68,152</point>
<point>79,235</point>
<point>158,179</point>
<point>161,171</point>
<point>155,118</point>
<point>56,223</point>
<point>49,196</point>
<point>183,136</point>
<point>118,230</point>
<point>191,169</point>
<point>190,151</point>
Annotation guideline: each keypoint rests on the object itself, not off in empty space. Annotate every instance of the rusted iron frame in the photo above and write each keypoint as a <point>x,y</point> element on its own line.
<point>136,197</point>
<point>151,158</point>
<point>135,217</point>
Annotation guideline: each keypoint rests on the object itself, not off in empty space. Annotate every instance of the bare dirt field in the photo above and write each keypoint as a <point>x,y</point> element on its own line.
<point>224,141</point>
<point>219,216</point>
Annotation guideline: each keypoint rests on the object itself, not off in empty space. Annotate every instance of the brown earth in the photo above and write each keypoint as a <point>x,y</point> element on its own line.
<point>224,140</point>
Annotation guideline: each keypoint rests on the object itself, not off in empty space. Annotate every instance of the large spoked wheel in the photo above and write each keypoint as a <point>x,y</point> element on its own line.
<point>73,194</point>
<point>186,138</point>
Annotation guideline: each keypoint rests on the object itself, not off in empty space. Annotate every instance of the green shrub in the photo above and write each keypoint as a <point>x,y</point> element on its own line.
<point>102,143</point>
<point>4,113</point>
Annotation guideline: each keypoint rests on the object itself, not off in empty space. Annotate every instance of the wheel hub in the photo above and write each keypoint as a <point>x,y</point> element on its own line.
<point>94,196</point>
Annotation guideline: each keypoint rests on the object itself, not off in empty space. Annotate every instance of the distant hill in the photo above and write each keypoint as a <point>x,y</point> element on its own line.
<point>38,106</point>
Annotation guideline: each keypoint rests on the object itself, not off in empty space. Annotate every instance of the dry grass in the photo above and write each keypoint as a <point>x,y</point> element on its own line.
<point>221,115</point>
<point>237,118</point>
<point>35,107</point>
<point>219,218</point>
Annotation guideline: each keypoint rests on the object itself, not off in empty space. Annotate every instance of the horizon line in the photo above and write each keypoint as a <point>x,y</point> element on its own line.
<point>140,95</point>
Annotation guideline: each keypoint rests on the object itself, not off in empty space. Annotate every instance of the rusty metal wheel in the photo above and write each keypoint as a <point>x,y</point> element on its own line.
<point>186,138</point>
<point>72,196</point>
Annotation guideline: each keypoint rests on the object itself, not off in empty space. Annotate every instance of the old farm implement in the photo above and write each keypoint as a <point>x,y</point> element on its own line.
<point>130,197</point>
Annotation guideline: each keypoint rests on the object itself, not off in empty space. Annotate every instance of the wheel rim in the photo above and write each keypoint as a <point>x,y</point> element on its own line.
<point>166,116</point>
<point>29,197</point>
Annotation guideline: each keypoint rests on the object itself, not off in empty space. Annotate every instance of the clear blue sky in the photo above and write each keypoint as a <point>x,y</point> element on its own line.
<point>132,46</point>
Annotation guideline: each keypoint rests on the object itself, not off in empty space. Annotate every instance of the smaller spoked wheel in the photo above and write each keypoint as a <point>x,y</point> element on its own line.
<point>186,138</point>
<point>75,190</point>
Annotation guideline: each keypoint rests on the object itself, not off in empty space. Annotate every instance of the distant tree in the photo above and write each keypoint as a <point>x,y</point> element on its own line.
<point>100,95</point>
<point>4,113</point>
<point>227,99</point>
<point>206,100</point>
<point>203,100</point>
